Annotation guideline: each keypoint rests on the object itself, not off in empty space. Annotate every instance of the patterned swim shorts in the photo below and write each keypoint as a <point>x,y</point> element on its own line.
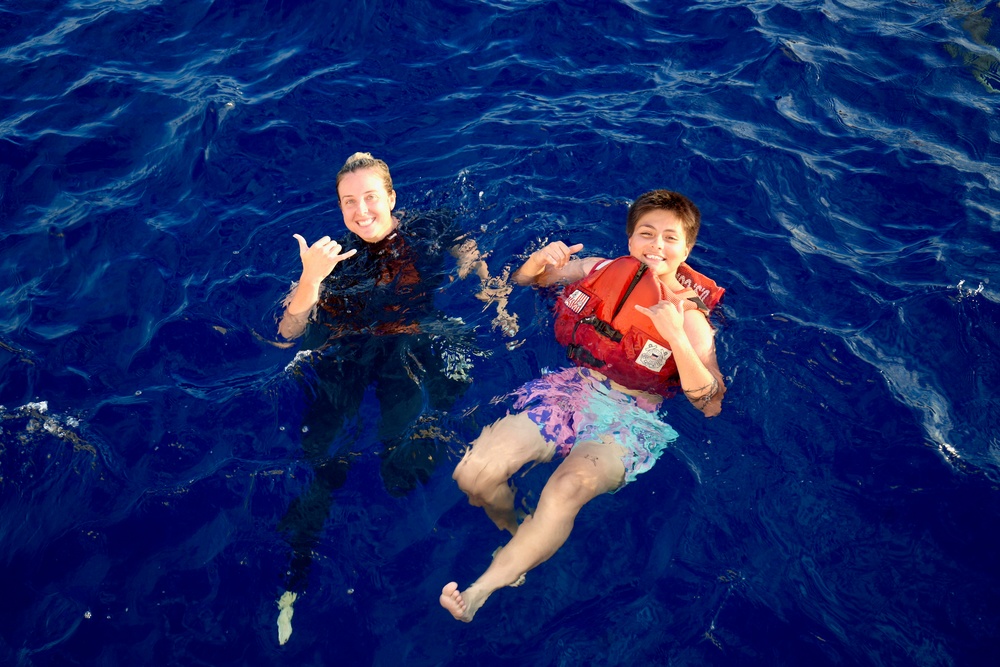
<point>573,405</point>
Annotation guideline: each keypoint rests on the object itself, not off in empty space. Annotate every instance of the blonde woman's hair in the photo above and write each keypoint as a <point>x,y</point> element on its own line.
<point>366,161</point>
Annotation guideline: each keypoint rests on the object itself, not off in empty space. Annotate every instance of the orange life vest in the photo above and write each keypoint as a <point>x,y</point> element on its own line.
<point>597,321</point>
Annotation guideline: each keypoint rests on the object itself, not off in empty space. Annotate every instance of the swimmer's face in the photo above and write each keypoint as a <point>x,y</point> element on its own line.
<point>366,204</point>
<point>659,241</point>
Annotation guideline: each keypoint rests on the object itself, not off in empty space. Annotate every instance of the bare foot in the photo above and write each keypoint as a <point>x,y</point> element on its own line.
<point>451,599</point>
<point>462,605</point>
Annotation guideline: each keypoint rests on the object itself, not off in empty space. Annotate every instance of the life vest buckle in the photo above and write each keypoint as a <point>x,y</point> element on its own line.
<point>603,328</point>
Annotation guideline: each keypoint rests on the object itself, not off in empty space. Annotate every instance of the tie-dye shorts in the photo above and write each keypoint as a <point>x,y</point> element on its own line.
<point>575,405</point>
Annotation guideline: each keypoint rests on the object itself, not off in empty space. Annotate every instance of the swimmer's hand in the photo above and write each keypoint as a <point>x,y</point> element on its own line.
<point>318,261</point>
<point>549,259</point>
<point>667,317</point>
<point>556,254</point>
<point>320,258</point>
<point>691,341</point>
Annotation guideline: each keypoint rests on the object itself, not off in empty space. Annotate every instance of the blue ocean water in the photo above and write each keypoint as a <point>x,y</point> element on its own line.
<point>157,156</point>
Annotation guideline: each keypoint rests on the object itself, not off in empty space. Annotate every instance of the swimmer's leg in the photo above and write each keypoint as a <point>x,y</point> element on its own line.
<point>591,469</point>
<point>499,452</point>
<point>302,525</point>
<point>303,522</point>
<point>412,388</point>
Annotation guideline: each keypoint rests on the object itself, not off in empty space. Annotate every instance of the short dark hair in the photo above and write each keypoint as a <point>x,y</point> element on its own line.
<point>666,200</point>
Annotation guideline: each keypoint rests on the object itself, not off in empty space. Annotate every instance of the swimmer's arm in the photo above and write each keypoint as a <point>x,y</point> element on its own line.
<point>318,261</point>
<point>701,379</point>
<point>692,342</point>
<point>470,260</point>
<point>492,289</point>
<point>298,307</point>
<point>554,264</point>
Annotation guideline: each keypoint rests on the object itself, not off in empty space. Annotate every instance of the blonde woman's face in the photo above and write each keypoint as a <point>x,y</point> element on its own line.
<point>366,205</point>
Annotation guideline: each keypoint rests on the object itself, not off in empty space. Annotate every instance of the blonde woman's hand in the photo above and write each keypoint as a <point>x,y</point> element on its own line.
<point>320,258</point>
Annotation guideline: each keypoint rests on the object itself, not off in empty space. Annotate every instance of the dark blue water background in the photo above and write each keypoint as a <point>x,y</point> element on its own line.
<point>157,157</point>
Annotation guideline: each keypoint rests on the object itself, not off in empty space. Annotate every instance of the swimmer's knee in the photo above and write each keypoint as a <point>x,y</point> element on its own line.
<point>463,478</point>
<point>573,487</point>
<point>475,481</point>
<point>500,450</point>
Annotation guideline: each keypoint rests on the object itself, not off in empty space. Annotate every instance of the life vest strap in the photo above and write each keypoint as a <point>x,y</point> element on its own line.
<point>580,353</point>
<point>635,281</point>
